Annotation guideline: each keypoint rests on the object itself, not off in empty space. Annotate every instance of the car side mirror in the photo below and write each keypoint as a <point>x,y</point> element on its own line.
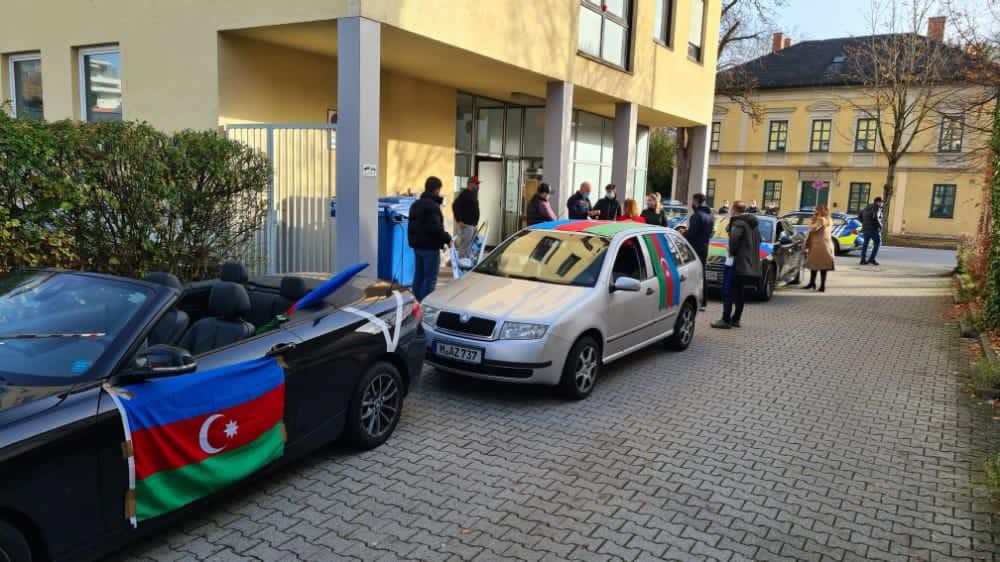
<point>785,239</point>
<point>629,284</point>
<point>158,361</point>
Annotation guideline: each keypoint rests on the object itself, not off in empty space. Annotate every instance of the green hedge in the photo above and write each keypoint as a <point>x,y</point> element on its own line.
<point>992,308</point>
<point>125,198</point>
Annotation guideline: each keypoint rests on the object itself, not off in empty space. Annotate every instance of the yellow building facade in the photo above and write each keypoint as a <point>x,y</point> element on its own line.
<point>560,91</point>
<point>813,145</point>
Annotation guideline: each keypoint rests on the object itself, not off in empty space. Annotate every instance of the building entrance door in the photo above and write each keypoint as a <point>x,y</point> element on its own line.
<point>491,197</point>
<point>810,196</point>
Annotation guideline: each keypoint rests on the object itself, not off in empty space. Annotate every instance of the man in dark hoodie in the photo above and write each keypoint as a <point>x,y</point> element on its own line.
<point>698,234</point>
<point>427,237</point>
<point>743,266</point>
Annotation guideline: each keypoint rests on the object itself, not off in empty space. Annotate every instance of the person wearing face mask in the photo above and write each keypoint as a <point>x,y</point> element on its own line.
<point>608,209</point>
<point>653,213</point>
<point>427,236</point>
<point>578,204</point>
<point>538,209</point>
<point>465,209</point>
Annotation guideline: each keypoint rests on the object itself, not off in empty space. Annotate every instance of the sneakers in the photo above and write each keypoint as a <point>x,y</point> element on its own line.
<point>864,261</point>
<point>702,308</point>
<point>735,324</point>
<point>873,262</point>
<point>722,325</point>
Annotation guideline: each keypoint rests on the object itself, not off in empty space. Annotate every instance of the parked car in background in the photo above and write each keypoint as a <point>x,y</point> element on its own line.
<point>847,234</point>
<point>781,250</point>
<point>556,302</point>
<point>677,213</point>
<point>80,351</point>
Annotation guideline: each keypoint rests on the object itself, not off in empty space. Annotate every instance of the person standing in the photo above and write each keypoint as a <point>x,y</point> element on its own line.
<point>871,228</point>
<point>724,209</point>
<point>743,265</point>
<point>609,209</point>
<point>631,212</point>
<point>466,212</point>
<point>653,213</point>
<point>427,236</point>
<point>578,204</point>
<point>819,247</point>
<point>701,225</point>
<point>538,209</point>
<point>753,209</point>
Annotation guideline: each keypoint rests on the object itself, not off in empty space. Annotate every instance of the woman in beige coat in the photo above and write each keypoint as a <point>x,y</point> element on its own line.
<point>819,247</point>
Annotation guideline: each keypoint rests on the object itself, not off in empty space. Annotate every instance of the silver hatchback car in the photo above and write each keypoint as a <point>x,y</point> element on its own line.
<point>555,302</point>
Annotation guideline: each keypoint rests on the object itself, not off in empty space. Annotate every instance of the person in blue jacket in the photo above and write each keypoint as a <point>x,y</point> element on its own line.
<point>698,234</point>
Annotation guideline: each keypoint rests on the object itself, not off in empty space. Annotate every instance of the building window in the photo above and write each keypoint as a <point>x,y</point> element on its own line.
<point>819,139</point>
<point>943,201</point>
<point>950,139</point>
<point>101,84</point>
<point>772,194</point>
<point>696,34</point>
<point>604,30</point>
<point>777,136</point>
<point>867,134</point>
<point>663,21</point>
<point>716,136</point>
<point>857,197</point>
<point>710,193</point>
<point>26,86</point>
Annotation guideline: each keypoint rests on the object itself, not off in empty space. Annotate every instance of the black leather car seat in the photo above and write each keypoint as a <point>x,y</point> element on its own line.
<point>265,305</point>
<point>234,272</point>
<point>172,325</point>
<point>227,304</point>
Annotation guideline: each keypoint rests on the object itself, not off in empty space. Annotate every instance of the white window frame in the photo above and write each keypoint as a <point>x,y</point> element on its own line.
<point>37,55</point>
<point>85,52</point>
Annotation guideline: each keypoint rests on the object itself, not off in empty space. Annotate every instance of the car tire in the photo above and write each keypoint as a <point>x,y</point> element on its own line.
<point>683,328</point>
<point>14,546</point>
<point>376,406</point>
<point>836,248</point>
<point>583,363</point>
<point>765,287</point>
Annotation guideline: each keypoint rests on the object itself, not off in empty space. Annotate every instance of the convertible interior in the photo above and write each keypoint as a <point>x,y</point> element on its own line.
<point>219,312</point>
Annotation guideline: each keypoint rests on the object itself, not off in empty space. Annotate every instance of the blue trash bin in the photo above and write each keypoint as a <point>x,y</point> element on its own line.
<point>396,260</point>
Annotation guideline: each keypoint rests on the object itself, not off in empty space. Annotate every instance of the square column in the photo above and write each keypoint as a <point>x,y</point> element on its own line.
<point>556,153</point>
<point>698,144</point>
<point>358,88</point>
<point>623,157</point>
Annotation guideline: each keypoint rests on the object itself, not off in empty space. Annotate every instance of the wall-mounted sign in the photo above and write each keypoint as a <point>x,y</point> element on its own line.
<point>331,119</point>
<point>368,170</point>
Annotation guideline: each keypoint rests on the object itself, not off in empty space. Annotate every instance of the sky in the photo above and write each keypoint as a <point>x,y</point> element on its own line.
<point>824,19</point>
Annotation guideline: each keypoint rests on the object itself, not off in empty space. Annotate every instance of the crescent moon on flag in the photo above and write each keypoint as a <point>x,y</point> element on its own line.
<point>203,436</point>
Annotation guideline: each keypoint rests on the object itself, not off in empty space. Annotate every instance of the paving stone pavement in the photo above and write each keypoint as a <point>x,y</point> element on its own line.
<point>831,427</point>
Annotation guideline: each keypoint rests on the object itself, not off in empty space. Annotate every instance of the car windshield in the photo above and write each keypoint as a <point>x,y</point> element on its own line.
<point>674,211</point>
<point>764,226</point>
<point>60,324</point>
<point>563,258</point>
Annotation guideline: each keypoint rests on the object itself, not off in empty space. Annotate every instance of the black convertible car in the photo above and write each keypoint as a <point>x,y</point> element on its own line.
<point>70,341</point>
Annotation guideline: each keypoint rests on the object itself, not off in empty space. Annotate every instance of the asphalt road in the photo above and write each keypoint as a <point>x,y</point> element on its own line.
<point>832,426</point>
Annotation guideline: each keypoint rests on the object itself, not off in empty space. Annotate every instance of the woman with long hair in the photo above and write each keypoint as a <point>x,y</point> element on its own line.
<point>819,247</point>
<point>630,212</point>
<point>653,213</point>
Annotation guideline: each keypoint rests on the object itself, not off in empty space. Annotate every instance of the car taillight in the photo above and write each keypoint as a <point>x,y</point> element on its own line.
<point>417,313</point>
<point>854,231</point>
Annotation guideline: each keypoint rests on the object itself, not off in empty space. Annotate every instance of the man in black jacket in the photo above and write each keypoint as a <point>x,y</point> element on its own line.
<point>609,209</point>
<point>743,266</point>
<point>871,227</point>
<point>699,234</point>
<point>466,212</point>
<point>427,237</point>
<point>578,204</point>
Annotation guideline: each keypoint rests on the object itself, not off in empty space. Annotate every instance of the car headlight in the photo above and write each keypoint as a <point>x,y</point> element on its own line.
<point>522,331</point>
<point>430,314</point>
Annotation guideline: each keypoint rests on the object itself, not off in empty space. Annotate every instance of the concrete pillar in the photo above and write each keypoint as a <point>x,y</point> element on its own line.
<point>556,164</point>
<point>698,144</point>
<point>358,88</point>
<point>623,162</point>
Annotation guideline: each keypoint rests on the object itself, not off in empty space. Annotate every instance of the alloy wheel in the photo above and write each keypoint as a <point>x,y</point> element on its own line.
<point>380,405</point>
<point>586,369</point>
<point>687,325</point>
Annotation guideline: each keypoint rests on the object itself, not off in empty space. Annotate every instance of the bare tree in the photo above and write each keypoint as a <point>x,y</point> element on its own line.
<point>907,81</point>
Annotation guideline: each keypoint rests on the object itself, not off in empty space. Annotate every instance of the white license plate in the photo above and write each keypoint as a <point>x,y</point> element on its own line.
<point>458,353</point>
<point>713,275</point>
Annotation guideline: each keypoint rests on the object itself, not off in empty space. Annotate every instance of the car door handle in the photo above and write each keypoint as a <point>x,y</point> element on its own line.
<point>280,348</point>
<point>649,291</point>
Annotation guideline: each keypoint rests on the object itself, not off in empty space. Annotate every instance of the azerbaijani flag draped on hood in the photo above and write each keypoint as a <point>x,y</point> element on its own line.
<point>191,435</point>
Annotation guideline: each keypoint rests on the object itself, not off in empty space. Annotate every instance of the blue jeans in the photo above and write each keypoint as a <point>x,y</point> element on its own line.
<point>425,275</point>
<point>876,238</point>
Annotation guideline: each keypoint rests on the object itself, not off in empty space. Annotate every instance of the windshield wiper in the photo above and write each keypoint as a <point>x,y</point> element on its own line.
<point>39,336</point>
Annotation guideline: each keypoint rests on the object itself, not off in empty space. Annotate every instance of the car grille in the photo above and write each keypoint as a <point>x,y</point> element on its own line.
<point>480,327</point>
